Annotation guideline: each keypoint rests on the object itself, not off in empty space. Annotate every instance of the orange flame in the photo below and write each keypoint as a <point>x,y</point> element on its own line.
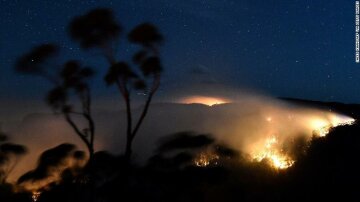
<point>270,148</point>
<point>210,101</point>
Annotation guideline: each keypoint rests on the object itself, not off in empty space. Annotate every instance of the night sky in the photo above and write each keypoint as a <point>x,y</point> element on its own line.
<point>296,48</point>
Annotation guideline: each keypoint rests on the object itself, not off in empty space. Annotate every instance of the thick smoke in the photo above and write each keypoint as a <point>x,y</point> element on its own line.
<point>244,124</point>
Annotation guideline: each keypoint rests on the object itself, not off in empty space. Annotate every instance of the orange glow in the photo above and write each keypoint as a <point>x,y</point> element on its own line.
<point>210,101</point>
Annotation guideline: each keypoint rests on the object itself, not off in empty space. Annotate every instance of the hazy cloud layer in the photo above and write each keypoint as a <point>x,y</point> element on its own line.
<point>243,125</point>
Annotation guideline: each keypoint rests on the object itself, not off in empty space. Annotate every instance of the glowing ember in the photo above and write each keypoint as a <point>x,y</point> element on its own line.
<point>210,101</point>
<point>35,196</point>
<point>205,159</point>
<point>269,119</point>
<point>273,155</point>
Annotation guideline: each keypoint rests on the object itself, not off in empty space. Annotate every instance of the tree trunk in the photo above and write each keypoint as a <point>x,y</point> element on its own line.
<point>129,138</point>
<point>128,150</point>
<point>89,146</point>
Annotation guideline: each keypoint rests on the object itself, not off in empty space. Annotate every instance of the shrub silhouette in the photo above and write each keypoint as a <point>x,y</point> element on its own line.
<point>185,149</point>
<point>10,154</point>
<point>55,166</point>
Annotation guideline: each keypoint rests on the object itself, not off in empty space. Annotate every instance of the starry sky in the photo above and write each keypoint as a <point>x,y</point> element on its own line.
<point>294,48</point>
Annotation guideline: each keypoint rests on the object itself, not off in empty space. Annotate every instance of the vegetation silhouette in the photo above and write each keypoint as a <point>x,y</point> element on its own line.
<point>48,160</point>
<point>99,30</point>
<point>70,80</point>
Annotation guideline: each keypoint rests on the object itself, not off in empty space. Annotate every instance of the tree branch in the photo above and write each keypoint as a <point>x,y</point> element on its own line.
<point>77,131</point>
<point>156,83</point>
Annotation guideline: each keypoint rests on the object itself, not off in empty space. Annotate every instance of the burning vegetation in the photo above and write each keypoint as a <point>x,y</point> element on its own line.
<point>271,150</point>
<point>273,154</point>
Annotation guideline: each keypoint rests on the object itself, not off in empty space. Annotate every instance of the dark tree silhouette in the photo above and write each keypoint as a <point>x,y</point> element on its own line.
<point>98,29</point>
<point>10,154</point>
<point>74,78</point>
<point>71,80</point>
